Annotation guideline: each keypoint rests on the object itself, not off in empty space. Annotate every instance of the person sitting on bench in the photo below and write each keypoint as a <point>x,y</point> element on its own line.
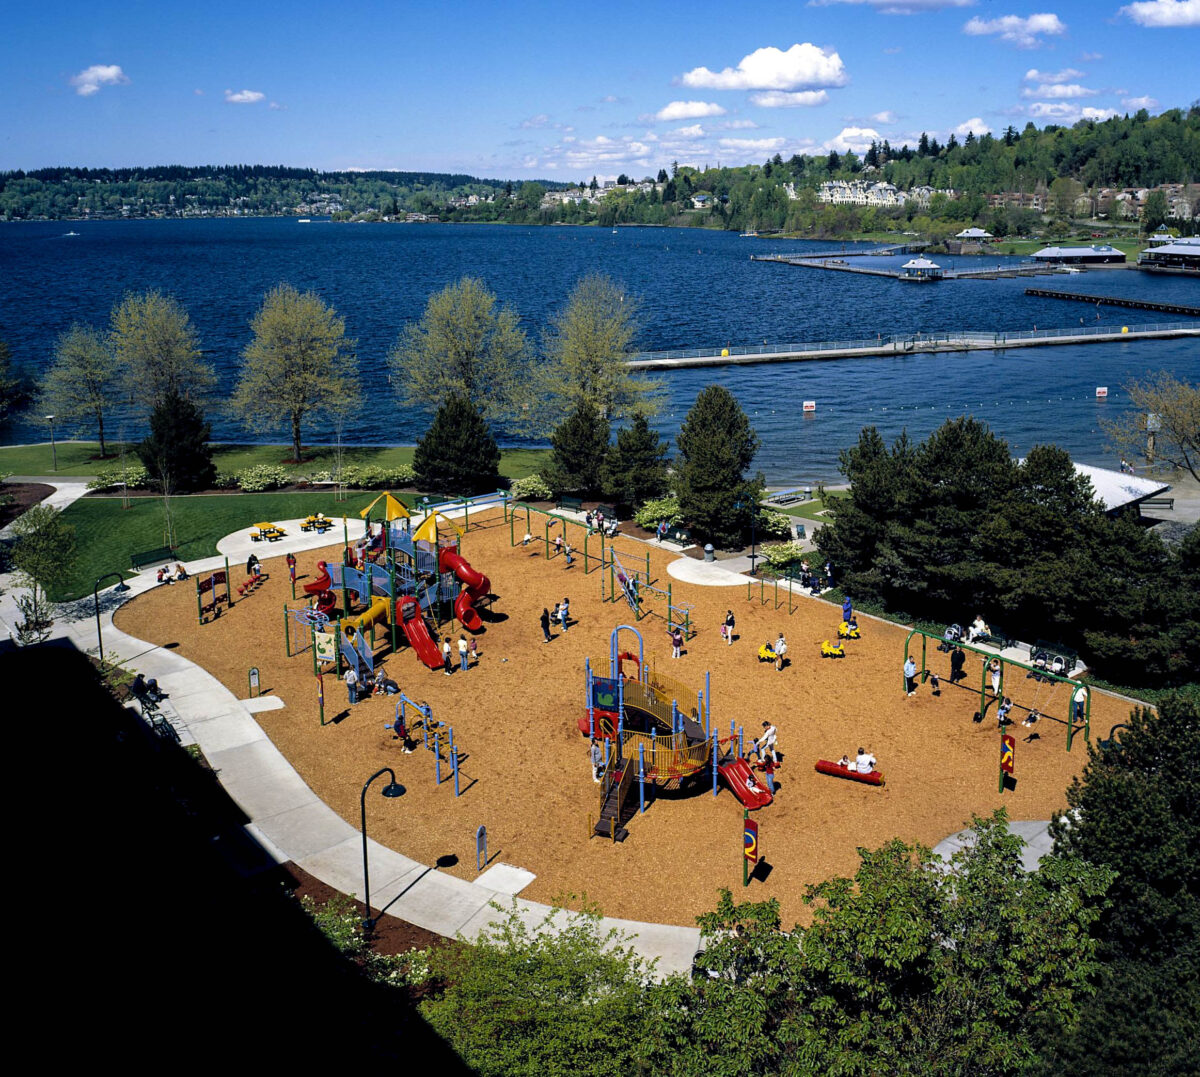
<point>844,762</point>
<point>864,762</point>
<point>978,629</point>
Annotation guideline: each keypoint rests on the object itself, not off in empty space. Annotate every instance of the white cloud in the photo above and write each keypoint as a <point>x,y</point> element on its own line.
<point>275,106</point>
<point>244,97</point>
<point>688,110</point>
<point>535,122</point>
<point>886,116</point>
<point>1067,112</point>
<point>857,139</point>
<point>1091,57</point>
<point>694,130</point>
<point>1139,102</point>
<point>1158,13</point>
<point>1059,91</point>
<point>1065,75</point>
<point>737,125</point>
<point>1022,32</point>
<point>784,99</point>
<point>752,145</point>
<point>1097,113</point>
<point>898,7</point>
<point>773,69</point>
<point>90,79</point>
<point>198,92</point>
<point>893,50</point>
<point>975,126</point>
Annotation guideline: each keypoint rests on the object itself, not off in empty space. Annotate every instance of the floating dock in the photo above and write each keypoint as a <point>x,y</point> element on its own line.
<point>906,345</point>
<point>1114,301</point>
<point>835,261</point>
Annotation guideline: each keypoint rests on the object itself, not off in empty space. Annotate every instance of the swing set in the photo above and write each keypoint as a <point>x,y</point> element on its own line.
<point>1078,712</point>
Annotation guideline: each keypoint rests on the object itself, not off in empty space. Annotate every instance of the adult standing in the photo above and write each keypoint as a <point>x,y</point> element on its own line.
<point>1079,702</point>
<point>765,745</point>
<point>729,628</point>
<point>828,573</point>
<point>596,756</point>
<point>545,622</point>
<point>446,664</point>
<point>780,651</point>
<point>847,609</point>
<point>910,675</point>
<point>958,658</point>
<point>994,669</point>
<point>464,655</point>
<point>351,679</point>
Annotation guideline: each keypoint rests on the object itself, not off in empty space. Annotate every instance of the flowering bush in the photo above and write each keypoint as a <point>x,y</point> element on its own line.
<point>531,488</point>
<point>368,477</point>
<point>783,554</point>
<point>663,508</point>
<point>775,524</point>
<point>254,480</point>
<point>132,474</point>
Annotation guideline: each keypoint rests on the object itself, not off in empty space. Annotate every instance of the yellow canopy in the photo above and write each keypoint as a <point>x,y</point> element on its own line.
<point>393,508</point>
<point>427,532</point>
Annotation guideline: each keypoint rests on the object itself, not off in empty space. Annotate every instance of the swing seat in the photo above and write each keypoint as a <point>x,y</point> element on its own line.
<point>832,650</point>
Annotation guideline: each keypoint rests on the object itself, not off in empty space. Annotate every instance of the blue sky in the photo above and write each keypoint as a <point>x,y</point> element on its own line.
<point>565,90</point>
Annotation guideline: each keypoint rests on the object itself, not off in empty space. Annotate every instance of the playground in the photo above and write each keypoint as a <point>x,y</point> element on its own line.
<point>523,764</point>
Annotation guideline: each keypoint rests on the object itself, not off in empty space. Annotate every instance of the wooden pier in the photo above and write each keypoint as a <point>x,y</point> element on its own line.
<point>1114,301</point>
<point>920,343</point>
<point>838,264</point>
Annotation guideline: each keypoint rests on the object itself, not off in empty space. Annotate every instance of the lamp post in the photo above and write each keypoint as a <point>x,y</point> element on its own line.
<point>53,446</point>
<point>392,789</point>
<point>122,586</point>
<point>753,529</point>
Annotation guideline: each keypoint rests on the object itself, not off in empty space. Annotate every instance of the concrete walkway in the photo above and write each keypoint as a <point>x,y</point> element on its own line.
<point>287,819</point>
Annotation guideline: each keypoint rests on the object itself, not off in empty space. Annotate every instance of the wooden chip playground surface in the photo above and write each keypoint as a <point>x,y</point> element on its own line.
<point>524,766</point>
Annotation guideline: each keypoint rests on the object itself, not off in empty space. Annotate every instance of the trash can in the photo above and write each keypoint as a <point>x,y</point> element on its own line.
<point>709,555</point>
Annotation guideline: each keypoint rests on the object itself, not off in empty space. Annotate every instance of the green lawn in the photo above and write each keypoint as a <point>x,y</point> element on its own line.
<point>76,459</point>
<point>810,510</point>
<point>108,535</point>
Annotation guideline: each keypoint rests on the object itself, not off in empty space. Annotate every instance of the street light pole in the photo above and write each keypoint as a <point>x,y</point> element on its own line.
<point>392,789</point>
<point>121,586</point>
<point>53,446</point>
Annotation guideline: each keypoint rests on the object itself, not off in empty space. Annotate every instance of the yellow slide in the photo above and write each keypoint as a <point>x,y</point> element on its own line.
<point>376,613</point>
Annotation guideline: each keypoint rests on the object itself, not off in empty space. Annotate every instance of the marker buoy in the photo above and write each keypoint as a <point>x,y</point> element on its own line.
<point>1124,329</point>
<point>1101,391</point>
<point>810,405</point>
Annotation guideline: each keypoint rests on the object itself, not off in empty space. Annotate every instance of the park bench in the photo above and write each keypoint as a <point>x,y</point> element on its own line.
<point>680,535</point>
<point>151,557</point>
<point>997,637</point>
<point>1056,657</point>
<point>574,504</point>
<point>1159,503</point>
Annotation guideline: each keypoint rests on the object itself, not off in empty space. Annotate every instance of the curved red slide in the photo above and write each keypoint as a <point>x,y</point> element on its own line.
<point>416,631</point>
<point>478,587</point>
<point>324,582</point>
<point>327,604</point>
<point>736,775</point>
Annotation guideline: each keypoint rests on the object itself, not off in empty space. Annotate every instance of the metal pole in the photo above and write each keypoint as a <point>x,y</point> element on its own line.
<point>121,586</point>
<point>393,789</point>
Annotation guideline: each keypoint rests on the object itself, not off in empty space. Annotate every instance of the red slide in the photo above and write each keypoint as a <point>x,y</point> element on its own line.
<point>478,587</point>
<point>327,604</point>
<point>408,613</point>
<point>324,582</point>
<point>737,775</point>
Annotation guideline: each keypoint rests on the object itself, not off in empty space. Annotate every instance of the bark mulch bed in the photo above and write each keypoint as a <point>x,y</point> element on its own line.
<point>524,768</point>
<point>24,496</point>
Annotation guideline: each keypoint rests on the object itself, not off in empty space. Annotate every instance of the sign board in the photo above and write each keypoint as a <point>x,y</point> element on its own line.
<point>750,842</point>
<point>1101,391</point>
<point>253,681</point>
<point>1008,746</point>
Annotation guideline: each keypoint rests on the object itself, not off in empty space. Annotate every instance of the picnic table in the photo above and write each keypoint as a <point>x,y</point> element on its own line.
<point>268,532</point>
<point>318,522</point>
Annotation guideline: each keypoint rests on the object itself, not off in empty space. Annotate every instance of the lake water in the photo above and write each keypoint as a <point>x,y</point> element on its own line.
<point>696,288</point>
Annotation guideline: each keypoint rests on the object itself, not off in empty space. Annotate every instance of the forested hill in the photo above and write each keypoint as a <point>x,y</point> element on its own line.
<point>1132,151</point>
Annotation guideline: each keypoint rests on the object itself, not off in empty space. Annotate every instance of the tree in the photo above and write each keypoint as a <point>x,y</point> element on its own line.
<point>716,446</point>
<point>560,998</point>
<point>636,468</point>
<point>176,452</point>
<point>1136,812</point>
<point>299,363</point>
<point>1154,213</point>
<point>15,392</point>
<point>43,555</point>
<point>1177,405</point>
<point>833,162</point>
<point>463,344</point>
<point>588,345</point>
<point>458,453</point>
<point>83,379</point>
<point>580,444</point>
<point>158,350</point>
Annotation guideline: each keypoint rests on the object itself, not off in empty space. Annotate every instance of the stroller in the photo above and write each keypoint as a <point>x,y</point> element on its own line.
<point>952,635</point>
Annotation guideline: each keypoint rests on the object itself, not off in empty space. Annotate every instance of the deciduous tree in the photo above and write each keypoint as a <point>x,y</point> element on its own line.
<point>588,345</point>
<point>299,363</point>
<point>84,378</point>
<point>43,555</point>
<point>1176,404</point>
<point>158,349</point>
<point>465,344</point>
<point>458,454</point>
<point>716,446</point>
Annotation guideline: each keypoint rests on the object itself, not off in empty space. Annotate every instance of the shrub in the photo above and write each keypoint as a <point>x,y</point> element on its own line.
<point>260,477</point>
<point>133,474</point>
<point>783,554</point>
<point>531,488</point>
<point>368,477</point>
<point>664,508</point>
<point>775,524</point>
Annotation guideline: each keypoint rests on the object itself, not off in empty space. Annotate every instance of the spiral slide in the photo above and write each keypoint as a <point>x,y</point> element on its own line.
<point>324,582</point>
<point>416,631</point>
<point>478,588</point>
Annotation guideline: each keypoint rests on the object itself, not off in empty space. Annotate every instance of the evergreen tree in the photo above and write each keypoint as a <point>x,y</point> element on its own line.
<point>458,454</point>
<point>636,469</point>
<point>716,446</point>
<point>580,444</point>
<point>833,162</point>
<point>176,452</point>
<point>14,387</point>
